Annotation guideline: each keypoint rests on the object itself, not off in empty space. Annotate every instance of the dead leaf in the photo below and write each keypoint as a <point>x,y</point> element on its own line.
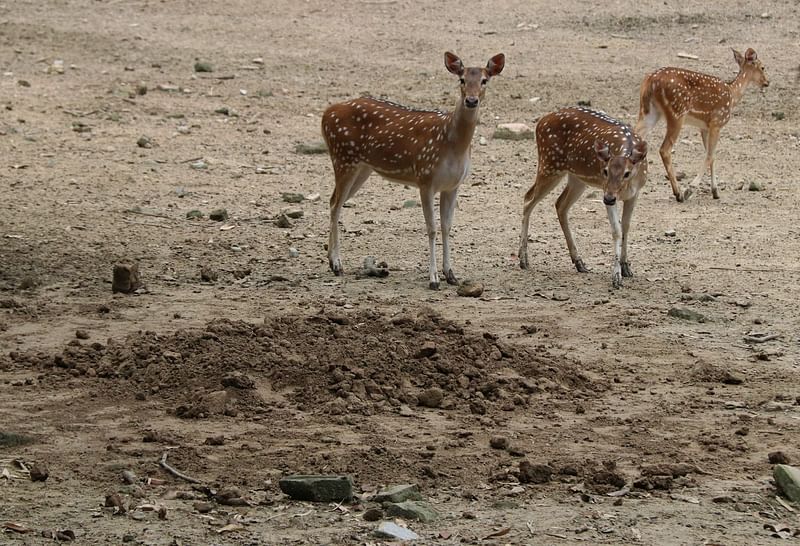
<point>230,528</point>
<point>500,533</point>
<point>16,527</point>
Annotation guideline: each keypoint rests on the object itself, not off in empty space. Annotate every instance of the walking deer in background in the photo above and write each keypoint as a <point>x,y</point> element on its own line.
<point>426,149</point>
<point>591,149</point>
<point>682,96</point>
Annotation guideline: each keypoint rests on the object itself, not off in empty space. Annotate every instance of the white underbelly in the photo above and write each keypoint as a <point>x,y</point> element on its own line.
<point>694,122</point>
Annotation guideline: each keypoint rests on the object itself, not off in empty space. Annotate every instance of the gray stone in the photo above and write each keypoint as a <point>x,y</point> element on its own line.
<point>755,186</point>
<point>126,278</point>
<point>431,398</point>
<point>788,480</point>
<point>686,314</point>
<point>514,131</point>
<point>293,213</point>
<point>201,66</point>
<point>470,289</point>
<point>311,148</point>
<point>388,529</point>
<point>412,510</point>
<point>399,493</point>
<point>291,197</point>
<point>218,215</point>
<point>318,488</point>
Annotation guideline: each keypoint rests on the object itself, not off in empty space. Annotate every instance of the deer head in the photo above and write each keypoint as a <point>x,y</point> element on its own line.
<point>751,67</point>
<point>474,80</point>
<point>619,170</point>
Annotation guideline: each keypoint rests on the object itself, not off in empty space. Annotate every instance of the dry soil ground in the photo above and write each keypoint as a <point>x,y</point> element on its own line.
<point>594,382</point>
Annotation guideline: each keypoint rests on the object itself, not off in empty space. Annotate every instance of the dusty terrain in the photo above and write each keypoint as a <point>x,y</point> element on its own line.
<point>594,382</point>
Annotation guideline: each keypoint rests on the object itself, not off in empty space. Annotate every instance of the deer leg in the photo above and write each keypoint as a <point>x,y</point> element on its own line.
<point>627,214</point>
<point>564,202</point>
<point>711,148</point>
<point>616,232</point>
<point>426,197</point>
<point>447,207</point>
<point>699,178</point>
<point>543,185</point>
<point>347,183</point>
<point>647,121</point>
<point>673,131</point>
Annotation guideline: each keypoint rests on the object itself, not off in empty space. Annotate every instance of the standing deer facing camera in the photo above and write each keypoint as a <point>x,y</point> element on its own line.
<point>682,96</point>
<point>426,149</point>
<point>592,149</point>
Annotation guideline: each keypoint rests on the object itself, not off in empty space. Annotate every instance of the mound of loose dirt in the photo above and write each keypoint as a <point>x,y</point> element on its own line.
<point>362,362</point>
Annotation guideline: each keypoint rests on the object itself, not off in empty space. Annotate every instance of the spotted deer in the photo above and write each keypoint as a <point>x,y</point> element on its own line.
<point>426,149</point>
<point>683,96</point>
<point>591,149</point>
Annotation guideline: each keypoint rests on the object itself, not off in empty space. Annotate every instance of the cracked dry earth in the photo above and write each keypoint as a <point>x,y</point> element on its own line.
<point>583,391</point>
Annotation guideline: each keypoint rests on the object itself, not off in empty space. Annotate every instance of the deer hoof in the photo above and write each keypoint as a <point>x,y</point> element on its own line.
<point>626,269</point>
<point>580,266</point>
<point>523,259</point>
<point>715,193</point>
<point>616,281</point>
<point>433,285</point>
<point>451,277</point>
<point>336,267</point>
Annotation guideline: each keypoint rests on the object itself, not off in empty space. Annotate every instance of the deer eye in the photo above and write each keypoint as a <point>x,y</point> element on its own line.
<point>484,81</point>
<point>626,175</point>
<point>605,172</point>
<point>463,81</point>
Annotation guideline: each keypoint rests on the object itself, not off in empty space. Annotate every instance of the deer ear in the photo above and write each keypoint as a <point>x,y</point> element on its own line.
<point>750,55</point>
<point>453,64</point>
<point>639,152</point>
<point>496,64</point>
<point>738,56</point>
<point>601,149</point>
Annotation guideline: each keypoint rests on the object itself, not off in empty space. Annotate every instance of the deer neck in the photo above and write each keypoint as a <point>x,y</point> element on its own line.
<point>461,127</point>
<point>737,87</point>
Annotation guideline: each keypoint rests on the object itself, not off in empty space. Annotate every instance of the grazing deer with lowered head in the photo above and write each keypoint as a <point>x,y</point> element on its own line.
<point>592,149</point>
<point>682,96</point>
<point>426,149</point>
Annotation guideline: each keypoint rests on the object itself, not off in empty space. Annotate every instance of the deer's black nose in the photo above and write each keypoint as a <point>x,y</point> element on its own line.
<point>471,102</point>
<point>609,200</point>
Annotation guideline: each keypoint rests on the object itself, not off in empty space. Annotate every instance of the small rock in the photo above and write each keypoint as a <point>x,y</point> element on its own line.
<point>669,233</point>
<point>788,480</point>
<point>391,530</point>
<point>218,215</point>
<point>39,472</point>
<point>405,411</point>
<point>470,289</point>
<point>125,278</point>
<point>499,442</point>
<point>755,186</point>
<point>141,88</point>
<point>144,142</point>
<point>372,269</point>
<point>198,165</point>
<point>208,275</point>
<point>129,477</point>
<point>317,488</point>
<point>311,148</point>
<point>81,334</point>
<point>215,440</point>
<point>585,102</point>
<point>778,115</point>
<point>282,221</point>
<point>238,380</point>
<point>399,493</point>
<point>313,197</point>
<point>431,398</point>
<point>372,514</point>
<point>290,197</point>
<point>427,350</point>
<point>513,131</point>
<point>686,314</point>
<point>294,213</point>
<point>410,203</point>
<point>534,473</point>
<point>202,66</point>
<point>203,507</point>
<point>778,457</point>
<point>482,141</point>
<point>194,214</point>
<point>731,378</point>
<point>293,252</point>
<point>412,510</point>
